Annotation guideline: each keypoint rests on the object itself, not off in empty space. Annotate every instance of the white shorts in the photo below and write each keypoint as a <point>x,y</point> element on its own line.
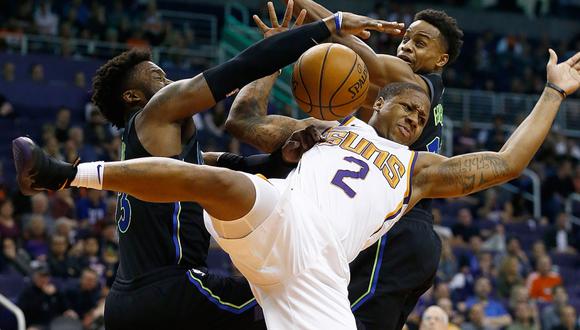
<point>295,265</point>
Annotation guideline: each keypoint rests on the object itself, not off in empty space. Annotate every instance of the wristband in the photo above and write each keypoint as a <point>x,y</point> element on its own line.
<point>557,89</point>
<point>338,21</point>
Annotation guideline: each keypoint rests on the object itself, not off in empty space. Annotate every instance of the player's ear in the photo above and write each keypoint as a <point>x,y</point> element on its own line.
<point>132,96</point>
<point>379,103</point>
<point>442,60</point>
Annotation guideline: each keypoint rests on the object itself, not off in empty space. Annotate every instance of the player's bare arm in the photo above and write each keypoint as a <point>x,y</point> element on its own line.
<point>437,176</point>
<point>383,69</point>
<point>248,119</point>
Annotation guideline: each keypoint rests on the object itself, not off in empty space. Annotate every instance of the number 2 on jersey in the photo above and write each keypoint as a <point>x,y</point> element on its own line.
<point>340,175</point>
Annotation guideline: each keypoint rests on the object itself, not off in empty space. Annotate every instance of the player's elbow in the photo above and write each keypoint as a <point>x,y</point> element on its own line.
<point>510,167</point>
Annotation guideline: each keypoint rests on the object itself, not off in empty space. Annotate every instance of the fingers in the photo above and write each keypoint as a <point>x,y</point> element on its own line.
<point>300,18</point>
<point>553,57</point>
<point>273,17</point>
<point>392,27</point>
<point>263,27</point>
<point>574,60</point>
<point>364,34</point>
<point>288,13</point>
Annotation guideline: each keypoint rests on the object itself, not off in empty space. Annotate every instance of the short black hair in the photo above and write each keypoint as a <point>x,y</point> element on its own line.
<point>394,89</point>
<point>110,79</point>
<point>448,27</point>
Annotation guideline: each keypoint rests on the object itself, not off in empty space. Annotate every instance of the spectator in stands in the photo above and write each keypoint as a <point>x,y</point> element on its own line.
<point>465,140</point>
<point>509,276</point>
<point>434,318</point>
<point>462,283</point>
<point>91,209</point>
<point>495,314</point>
<point>525,318</point>
<point>153,24</point>
<point>62,124</point>
<point>464,229</point>
<point>37,73</point>
<point>45,20</point>
<point>52,147</point>
<point>514,249</point>
<point>518,295</point>
<point>97,131</point>
<point>6,108</point>
<point>39,207</point>
<point>62,204</point>
<point>80,80</point>
<point>42,301</point>
<point>556,188</point>
<point>476,319</point>
<point>494,207</point>
<point>14,258</point>
<point>569,319</point>
<point>447,262</point>
<point>486,267</point>
<point>8,226</point>
<point>496,243</point>
<point>83,299</point>
<point>59,263</point>
<point>542,282</point>
<point>494,138</point>
<point>91,255</point>
<point>538,251</point>
<point>8,72</point>
<point>35,238</point>
<point>65,227</point>
<point>551,313</point>
<point>97,24</point>
<point>454,318</point>
<point>559,237</point>
<point>86,151</point>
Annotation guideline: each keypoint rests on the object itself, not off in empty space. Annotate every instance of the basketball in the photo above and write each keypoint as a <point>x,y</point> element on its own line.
<point>330,81</point>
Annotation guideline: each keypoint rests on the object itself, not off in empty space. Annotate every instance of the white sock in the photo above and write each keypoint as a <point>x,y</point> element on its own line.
<point>89,175</point>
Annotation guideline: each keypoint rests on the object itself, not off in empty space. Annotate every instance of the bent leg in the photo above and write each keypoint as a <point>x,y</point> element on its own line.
<point>225,194</point>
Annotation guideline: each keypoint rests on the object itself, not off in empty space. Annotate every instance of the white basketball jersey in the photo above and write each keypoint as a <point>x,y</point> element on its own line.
<point>360,180</point>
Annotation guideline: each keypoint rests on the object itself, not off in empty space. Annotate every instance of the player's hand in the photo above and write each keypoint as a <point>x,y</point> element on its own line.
<point>300,142</point>
<point>276,27</point>
<point>565,75</point>
<point>362,25</point>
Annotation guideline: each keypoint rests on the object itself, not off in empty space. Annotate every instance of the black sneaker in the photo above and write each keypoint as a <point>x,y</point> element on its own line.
<point>37,171</point>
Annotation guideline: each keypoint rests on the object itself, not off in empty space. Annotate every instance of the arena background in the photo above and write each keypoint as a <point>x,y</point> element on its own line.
<point>49,51</point>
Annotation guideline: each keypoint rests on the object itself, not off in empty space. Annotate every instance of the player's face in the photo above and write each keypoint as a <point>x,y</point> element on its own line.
<point>402,117</point>
<point>146,80</point>
<point>422,47</point>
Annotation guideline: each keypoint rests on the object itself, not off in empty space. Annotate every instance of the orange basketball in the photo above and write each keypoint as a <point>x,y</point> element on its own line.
<point>330,81</point>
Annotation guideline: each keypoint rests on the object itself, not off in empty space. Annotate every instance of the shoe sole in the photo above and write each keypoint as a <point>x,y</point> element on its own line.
<point>22,149</point>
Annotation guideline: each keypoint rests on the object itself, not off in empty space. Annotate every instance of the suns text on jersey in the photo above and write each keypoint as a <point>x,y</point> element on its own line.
<point>391,167</point>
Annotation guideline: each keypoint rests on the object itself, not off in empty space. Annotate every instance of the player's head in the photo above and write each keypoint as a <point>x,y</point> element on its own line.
<point>401,112</point>
<point>434,318</point>
<point>432,41</point>
<point>125,82</point>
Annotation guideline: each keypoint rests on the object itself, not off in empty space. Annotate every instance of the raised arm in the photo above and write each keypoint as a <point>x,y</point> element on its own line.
<point>181,99</point>
<point>437,176</point>
<point>249,121</point>
<point>383,69</point>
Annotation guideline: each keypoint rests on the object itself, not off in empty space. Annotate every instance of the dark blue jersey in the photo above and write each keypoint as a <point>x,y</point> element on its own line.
<point>157,235</point>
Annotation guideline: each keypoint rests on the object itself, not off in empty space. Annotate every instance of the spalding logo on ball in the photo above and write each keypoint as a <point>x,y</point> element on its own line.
<point>330,81</point>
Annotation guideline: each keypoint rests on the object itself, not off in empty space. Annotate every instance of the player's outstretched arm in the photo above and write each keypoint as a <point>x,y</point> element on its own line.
<point>437,176</point>
<point>184,98</point>
<point>248,119</point>
<point>383,69</point>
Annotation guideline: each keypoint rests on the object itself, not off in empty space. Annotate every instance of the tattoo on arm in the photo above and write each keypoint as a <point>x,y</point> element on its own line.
<point>471,173</point>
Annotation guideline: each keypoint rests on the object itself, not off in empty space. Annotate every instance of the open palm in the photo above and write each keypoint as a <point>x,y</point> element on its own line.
<point>565,75</point>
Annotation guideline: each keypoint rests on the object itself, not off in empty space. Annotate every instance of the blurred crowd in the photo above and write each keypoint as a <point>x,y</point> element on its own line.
<point>488,61</point>
<point>501,267</point>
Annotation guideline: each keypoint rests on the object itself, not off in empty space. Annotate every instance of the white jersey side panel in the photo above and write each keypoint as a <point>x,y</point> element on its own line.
<point>359,180</point>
